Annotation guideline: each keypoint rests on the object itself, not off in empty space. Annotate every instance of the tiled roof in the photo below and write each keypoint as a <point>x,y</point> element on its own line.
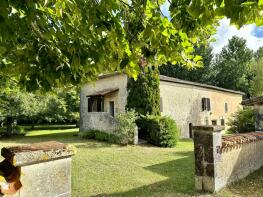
<point>252,101</point>
<point>239,139</point>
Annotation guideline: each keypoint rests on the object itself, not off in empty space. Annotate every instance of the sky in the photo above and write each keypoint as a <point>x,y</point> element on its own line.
<point>225,31</point>
<point>252,33</point>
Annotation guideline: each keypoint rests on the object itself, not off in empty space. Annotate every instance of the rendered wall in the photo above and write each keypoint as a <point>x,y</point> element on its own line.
<point>119,98</point>
<point>101,121</point>
<point>183,103</point>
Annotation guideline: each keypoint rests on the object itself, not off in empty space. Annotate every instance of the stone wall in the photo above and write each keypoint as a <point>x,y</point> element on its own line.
<point>220,161</point>
<point>183,103</point>
<point>101,121</point>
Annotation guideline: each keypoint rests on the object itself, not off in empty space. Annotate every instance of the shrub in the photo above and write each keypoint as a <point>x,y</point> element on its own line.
<point>88,134</point>
<point>100,136</point>
<point>242,121</point>
<point>162,131</point>
<point>18,130</point>
<point>126,126</point>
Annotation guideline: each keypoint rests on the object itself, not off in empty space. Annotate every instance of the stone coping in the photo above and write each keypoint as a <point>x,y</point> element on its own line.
<point>230,141</point>
<point>208,128</point>
<point>36,153</point>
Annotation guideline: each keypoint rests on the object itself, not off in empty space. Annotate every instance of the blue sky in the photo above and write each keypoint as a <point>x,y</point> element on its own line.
<point>225,31</point>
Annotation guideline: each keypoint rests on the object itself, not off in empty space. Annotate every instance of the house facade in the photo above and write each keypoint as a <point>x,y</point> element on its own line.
<point>188,103</point>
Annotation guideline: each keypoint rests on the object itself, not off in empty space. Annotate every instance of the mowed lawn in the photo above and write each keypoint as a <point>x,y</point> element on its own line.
<point>102,169</point>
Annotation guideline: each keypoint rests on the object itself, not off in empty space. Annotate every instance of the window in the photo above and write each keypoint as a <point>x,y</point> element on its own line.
<point>96,104</point>
<point>206,104</point>
<point>226,107</point>
<point>222,122</point>
<point>214,122</point>
<point>161,104</point>
<point>111,108</point>
<point>190,130</point>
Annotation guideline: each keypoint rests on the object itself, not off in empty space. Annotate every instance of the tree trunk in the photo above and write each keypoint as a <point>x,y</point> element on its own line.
<point>9,125</point>
<point>32,124</point>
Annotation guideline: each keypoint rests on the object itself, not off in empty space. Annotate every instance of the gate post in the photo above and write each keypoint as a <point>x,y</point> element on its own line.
<point>207,145</point>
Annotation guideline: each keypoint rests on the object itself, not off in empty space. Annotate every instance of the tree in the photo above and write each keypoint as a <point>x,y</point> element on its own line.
<point>47,43</point>
<point>242,121</point>
<point>231,68</point>
<point>259,53</point>
<point>196,74</point>
<point>144,93</point>
<point>256,86</point>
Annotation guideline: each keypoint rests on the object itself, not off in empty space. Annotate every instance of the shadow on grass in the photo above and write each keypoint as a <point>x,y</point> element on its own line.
<point>179,182</point>
<point>64,137</point>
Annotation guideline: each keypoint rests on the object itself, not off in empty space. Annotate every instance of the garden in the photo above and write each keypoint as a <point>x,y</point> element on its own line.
<point>104,169</point>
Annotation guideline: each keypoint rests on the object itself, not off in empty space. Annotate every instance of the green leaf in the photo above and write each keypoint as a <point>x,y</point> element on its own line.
<point>197,58</point>
<point>165,33</point>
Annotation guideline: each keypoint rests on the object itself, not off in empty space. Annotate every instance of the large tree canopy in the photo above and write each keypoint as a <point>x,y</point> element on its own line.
<point>45,43</point>
<point>231,67</point>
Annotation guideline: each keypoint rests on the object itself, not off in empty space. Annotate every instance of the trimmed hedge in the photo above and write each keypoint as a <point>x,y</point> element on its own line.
<point>161,131</point>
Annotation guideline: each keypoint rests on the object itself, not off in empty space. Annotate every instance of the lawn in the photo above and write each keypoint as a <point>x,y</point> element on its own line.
<point>101,169</point>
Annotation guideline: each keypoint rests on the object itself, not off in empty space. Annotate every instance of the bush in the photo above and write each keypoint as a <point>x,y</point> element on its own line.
<point>126,126</point>
<point>162,131</point>
<point>87,135</point>
<point>100,136</point>
<point>242,121</point>
<point>16,130</point>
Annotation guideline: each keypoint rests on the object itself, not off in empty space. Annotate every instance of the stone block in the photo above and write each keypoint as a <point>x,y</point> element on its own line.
<point>45,169</point>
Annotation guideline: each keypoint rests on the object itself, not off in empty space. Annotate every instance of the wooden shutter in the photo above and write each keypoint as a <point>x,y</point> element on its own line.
<point>208,105</point>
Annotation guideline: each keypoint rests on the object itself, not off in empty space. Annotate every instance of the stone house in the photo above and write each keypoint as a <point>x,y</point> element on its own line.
<point>188,103</point>
<point>257,103</point>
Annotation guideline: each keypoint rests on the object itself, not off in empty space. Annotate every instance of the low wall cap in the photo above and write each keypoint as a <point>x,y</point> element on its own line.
<point>243,138</point>
<point>36,153</point>
<point>208,128</point>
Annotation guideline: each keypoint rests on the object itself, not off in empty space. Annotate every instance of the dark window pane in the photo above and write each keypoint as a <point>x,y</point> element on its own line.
<point>214,122</point>
<point>112,108</point>
<point>222,122</point>
<point>203,104</point>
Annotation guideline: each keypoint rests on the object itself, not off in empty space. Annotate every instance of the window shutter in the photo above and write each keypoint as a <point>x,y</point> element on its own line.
<point>208,104</point>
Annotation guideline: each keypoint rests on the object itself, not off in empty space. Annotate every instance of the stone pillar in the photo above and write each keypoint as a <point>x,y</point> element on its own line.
<point>44,170</point>
<point>207,145</point>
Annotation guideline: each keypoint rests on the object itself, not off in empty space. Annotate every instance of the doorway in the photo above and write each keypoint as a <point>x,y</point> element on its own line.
<point>190,130</point>
<point>112,108</point>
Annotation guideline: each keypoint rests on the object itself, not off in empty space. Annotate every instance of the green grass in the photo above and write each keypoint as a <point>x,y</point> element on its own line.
<point>101,169</point>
